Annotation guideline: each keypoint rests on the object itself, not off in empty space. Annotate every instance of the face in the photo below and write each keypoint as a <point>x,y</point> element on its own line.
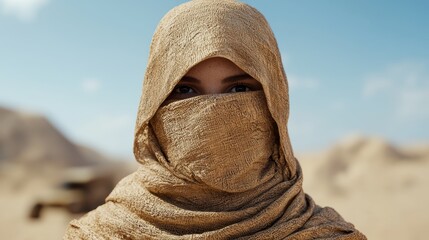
<point>213,76</point>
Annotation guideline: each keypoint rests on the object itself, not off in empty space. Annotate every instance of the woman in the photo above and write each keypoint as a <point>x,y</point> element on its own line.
<point>212,140</point>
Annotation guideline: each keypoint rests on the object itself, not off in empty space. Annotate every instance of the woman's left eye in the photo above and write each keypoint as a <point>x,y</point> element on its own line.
<point>240,88</point>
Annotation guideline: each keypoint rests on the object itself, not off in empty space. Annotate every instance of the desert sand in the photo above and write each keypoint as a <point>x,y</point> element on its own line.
<point>380,188</point>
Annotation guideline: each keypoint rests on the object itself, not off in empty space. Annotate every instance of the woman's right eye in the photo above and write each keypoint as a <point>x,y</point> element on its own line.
<point>183,90</point>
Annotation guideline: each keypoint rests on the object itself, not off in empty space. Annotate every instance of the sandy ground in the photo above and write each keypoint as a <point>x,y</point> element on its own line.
<point>15,206</point>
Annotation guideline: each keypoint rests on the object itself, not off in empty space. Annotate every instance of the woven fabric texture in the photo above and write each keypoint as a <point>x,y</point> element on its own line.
<point>213,166</point>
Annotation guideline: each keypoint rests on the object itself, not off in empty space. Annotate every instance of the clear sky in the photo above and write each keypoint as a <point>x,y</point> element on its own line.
<point>353,66</point>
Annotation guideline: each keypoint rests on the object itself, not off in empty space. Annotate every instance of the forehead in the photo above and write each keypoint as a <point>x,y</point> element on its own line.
<point>214,66</point>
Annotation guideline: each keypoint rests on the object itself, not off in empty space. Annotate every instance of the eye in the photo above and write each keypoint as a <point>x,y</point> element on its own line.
<point>240,88</point>
<point>183,90</point>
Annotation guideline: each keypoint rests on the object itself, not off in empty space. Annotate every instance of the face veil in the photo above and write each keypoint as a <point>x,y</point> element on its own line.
<point>224,142</point>
<point>194,182</point>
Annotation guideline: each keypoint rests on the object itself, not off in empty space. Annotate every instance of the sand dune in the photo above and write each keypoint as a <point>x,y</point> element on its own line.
<point>379,187</point>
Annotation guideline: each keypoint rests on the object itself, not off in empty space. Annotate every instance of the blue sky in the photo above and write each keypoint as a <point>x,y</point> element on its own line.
<point>354,67</point>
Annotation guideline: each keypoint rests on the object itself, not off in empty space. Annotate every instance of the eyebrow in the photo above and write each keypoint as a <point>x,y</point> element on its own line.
<point>236,78</point>
<point>225,80</point>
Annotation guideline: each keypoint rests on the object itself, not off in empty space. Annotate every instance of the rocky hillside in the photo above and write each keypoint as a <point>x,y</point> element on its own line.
<point>32,140</point>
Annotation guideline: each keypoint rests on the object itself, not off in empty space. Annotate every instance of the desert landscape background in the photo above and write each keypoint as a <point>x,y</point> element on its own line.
<point>352,67</point>
<point>379,187</point>
<point>40,166</point>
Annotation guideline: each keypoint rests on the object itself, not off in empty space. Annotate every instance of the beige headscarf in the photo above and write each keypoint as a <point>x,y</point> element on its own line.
<point>190,184</point>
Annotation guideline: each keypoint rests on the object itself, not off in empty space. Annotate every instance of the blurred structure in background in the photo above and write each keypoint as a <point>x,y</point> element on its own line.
<point>81,190</point>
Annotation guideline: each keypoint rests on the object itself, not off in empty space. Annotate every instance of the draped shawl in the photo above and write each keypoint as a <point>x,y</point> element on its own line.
<point>155,202</point>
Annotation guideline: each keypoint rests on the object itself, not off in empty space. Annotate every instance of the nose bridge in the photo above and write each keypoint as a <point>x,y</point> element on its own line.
<point>212,85</point>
